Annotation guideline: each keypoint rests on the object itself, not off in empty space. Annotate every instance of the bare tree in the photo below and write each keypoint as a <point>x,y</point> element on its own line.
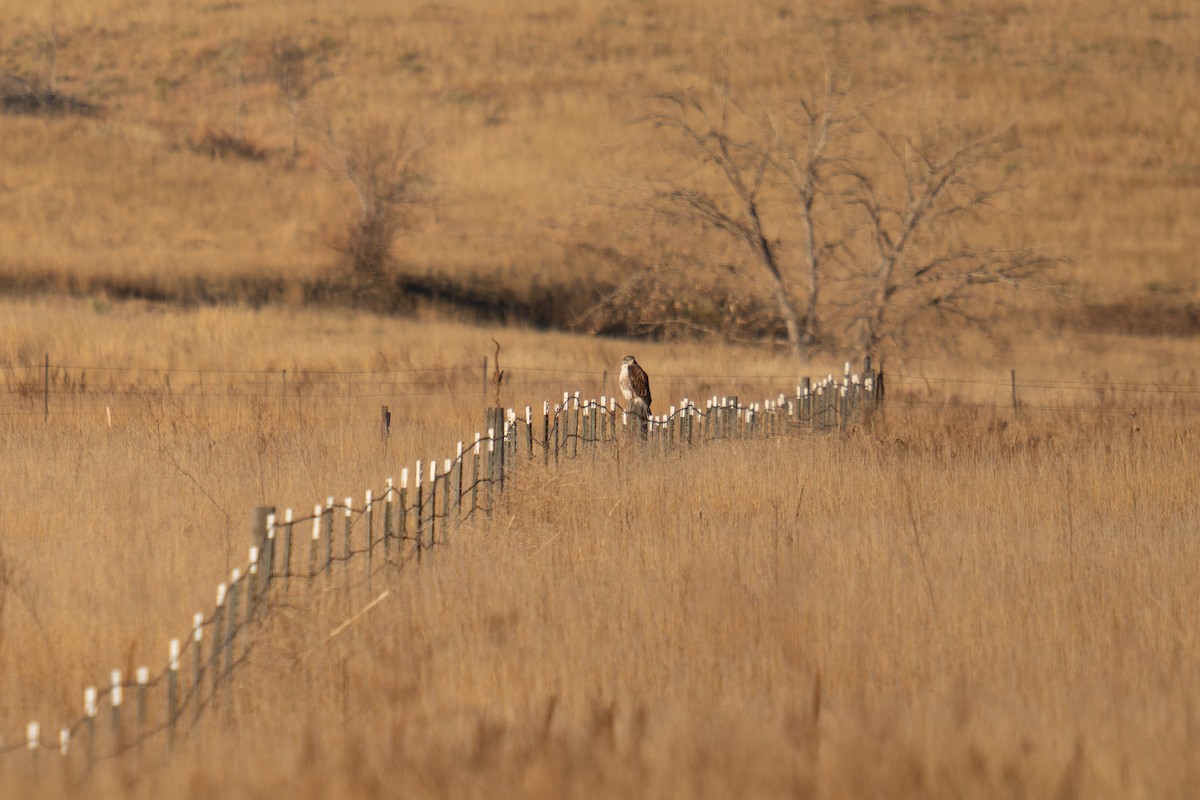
<point>727,193</point>
<point>919,203</point>
<point>801,143</point>
<point>294,78</point>
<point>891,227</point>
<point>383,164</point>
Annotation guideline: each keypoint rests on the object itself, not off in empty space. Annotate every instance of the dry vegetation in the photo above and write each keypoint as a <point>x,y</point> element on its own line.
<point>955,600</point>
<point>526,108</point>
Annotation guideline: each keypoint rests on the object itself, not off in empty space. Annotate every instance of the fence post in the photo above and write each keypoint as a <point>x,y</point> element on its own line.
<point>262,519</point>
<point>286,572</point>
<point>402,512</point>
<point>314,544</point>
<point>197,664</point>
<point>64,740</point>
<point>447,468</point>
<point>546,433</point>
<point>327,524</point>
<point>230,633</point>
<point>491,469</point>
<point>218,640</point>
<point>369,521</point>
<point>46,389</point>
<point>172,691</point>
<point>252,580</point>
<point>417,533</point>
<point>115,696</point>
<point>387,519</point>
<point>263,581</point>
<point>346,541</point>
<point>89,713</point>
<point>458,480</point>
<point>33,739</point>
<point>143,678</point>
<point>433,481</point>
<point>529,430</point>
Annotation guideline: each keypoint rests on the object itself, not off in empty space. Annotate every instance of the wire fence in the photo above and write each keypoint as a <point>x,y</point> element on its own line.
<point>395,528</point>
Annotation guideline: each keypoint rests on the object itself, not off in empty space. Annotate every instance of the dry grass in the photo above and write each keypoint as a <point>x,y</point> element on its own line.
<point>527,108</point>
<point>955,602</point>
<point>951,602</point>
<point>938,613</point>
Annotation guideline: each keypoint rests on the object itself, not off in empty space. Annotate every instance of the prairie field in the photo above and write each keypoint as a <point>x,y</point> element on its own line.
<point>983,589</point>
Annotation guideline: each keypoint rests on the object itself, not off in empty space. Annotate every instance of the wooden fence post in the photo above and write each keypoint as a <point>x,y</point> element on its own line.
<point>327,524</point>
<point>33,740</point>
<point>433,482</point>
<point>115,696</point>
<point>369,522</point>
<point>491,470</point>
<point>314,544</point>
<point>447,469</point>
<point>458,479</point>
<point>197,664</point>
<point>143,679</point>
<point>218,640</point>
<point>346,532</point>
<point>262,519</point>
<point>546,433</point>
<point>286,572</point>
<point>387,519</point>
<point>230,633</point>
<point>418,535</point>
<point>402,512</point>
<point>89,713</point>
<point>251,581</point>
<point>172,692</point>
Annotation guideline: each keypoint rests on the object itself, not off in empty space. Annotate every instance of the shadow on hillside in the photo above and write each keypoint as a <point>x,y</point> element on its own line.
<point>21,97</point>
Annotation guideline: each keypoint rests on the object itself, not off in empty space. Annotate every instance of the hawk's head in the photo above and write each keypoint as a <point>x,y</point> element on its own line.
<point>628,360</point>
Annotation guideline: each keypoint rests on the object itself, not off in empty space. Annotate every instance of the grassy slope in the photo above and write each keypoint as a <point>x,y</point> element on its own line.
<point>526,109</point>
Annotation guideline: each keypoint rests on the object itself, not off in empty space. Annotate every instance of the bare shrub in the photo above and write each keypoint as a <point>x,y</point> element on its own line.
<point>382,163</point>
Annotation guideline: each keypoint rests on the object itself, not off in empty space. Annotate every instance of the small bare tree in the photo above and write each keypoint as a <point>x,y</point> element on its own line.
<point>728,192</point>
<point>294,78</point>
<point>889,226</point>
<point>383,164</point>
<point>918,203</point>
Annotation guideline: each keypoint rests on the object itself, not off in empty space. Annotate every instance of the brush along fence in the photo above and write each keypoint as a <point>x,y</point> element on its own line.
<point>397,527</point>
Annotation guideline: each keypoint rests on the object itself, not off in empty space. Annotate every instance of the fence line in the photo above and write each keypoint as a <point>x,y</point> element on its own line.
<point>397,527</point>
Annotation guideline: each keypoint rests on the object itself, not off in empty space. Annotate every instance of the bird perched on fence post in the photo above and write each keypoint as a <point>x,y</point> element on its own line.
<point>635,386</point>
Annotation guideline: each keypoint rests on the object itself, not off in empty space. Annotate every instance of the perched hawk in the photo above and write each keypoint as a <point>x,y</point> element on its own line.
<point>635,385</point>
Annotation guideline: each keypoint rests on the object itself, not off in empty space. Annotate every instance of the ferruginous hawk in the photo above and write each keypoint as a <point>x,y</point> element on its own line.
<point>635,385</point>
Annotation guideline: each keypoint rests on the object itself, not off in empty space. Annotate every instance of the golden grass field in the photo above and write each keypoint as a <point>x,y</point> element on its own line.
<point>954,600</point>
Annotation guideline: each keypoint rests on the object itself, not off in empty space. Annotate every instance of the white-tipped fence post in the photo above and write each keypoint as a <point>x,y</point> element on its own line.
<point>267,557</point>
<point>546,433</point>
<point>447,467</point>
<point>417,533</point>
<point>402,511</point>
<point>172,691</point>
<point>251,581</point>
<point>117,699</point>
<point>529,430</point>
<point>231,632</point>
<point>285,572</point>
<point>387,519</point>
<point>328,535</point>
<point>491,470</point>
<point>89,714</point>
<point>475,475</point>
<point>458,478</point>
<point>346,549</point>
<point>433,479</point>
<point>64,740</point>
<point>214,657</point>
<point>315,542</point>
<point>143,681</point>
<point>368,521</point>
<point>33,741</point>
<point>197,664</point>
